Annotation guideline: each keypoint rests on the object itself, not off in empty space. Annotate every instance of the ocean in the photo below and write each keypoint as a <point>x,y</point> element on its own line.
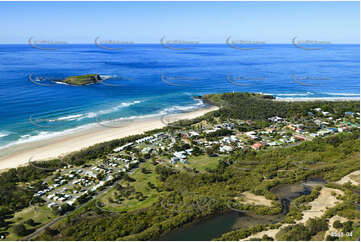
<point>146,80</point>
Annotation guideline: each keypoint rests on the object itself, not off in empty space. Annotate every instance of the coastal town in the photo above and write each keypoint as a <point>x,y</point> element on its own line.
<point>151,169</point>
<point>71,186</point>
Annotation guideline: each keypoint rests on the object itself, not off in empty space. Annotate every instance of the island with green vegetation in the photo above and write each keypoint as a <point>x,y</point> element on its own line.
<point>81,80</point>
<point>247,157</point>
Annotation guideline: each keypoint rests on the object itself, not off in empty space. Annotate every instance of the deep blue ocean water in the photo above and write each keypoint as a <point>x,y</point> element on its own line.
<point>152,80</point>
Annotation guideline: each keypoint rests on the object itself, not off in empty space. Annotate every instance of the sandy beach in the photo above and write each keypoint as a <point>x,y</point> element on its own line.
<point>19,155</point>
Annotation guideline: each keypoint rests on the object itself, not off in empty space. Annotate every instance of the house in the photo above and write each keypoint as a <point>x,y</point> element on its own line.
<point>71,202</point>
<point>146,150</point>
<point>340,130</point>
<point>269,130</point>
<point>225,149</point>
<point>313,135</point>
<point>122,147</point>
<point>228,125</point>
<point>325,113</point>
<point>52,205</point>
<point>272,143</point>
<point>189,151</point>
<point>333,130</point>
<point>211,130</point>
<point>157,135</point>
<point>234,138</point>
<point>291,126</point>
<point>148,138</point>
<point>192,134</point>
<point>180,154</point>
<point>256,146</point>
<point>323,132</point>
<point>275,119</point>
<point>251,134</point>
<point>226,140</point>
<point>300,137</point>
<point>174,160</point>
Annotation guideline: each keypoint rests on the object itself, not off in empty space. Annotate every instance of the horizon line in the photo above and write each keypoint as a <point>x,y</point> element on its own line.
<point>159,43</point>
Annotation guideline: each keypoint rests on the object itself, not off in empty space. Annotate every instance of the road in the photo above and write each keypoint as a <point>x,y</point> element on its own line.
<point>39,230</point>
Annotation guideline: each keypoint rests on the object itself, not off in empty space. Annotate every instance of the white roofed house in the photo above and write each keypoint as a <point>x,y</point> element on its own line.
<point>225,149</point>
<point>251,134</point>
<point>174,160</point>
<point>193,133</point>
<point>325,113</point>
<point>234,138</point>
<point>71,202</point>
<point>180,154</point>
<point>275,119</point>
<point>50,205</point>
<point>228,125</point>
<point>189,151</point>
<point>122,147</point>
<point>146,150</point>
<point>226,140</point>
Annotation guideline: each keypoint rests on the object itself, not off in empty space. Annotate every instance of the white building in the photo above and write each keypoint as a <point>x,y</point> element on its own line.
<point>225,149</point>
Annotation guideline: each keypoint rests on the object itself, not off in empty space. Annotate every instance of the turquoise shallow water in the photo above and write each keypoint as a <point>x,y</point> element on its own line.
<point>150,80</point>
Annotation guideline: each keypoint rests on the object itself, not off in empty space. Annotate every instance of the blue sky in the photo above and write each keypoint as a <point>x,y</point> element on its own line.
<point>206,22</point>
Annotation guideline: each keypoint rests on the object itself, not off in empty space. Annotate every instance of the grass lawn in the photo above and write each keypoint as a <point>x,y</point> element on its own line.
<point>140,185</point>
<point>40,215</point>
<point>202,162</point>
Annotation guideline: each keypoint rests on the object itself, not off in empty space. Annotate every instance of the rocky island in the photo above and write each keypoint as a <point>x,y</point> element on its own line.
<point>81,80</point>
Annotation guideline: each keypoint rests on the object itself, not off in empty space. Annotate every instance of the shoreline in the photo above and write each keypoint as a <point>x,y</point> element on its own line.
<point>19,154</point>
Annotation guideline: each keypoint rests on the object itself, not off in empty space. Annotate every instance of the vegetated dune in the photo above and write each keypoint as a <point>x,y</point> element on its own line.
<point>318,207</point>
<point>353,177</point>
